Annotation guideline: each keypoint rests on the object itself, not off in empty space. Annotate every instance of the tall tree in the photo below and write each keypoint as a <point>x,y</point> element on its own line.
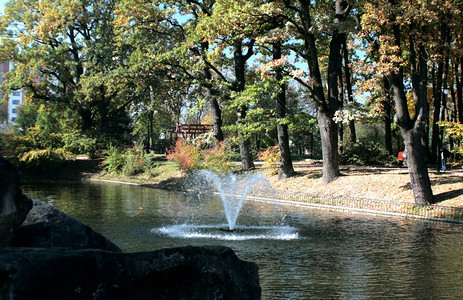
<point>387,18</point>
<point>300,16</point>
<point>286,168</point>
<point>227,29</point>
<point>63,52</point>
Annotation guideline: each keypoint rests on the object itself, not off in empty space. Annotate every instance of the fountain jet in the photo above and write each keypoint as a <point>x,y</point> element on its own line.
<point>232,189</point>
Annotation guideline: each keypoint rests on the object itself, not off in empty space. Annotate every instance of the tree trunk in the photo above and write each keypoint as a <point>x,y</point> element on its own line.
<point>438,84</point>
<point>419,177</point>
<point>342,101</point>
<point>459,87</point>
<point>239,86</point>
<point>325,107</point>
<point>437,95</point>
<point>102,106</point>
<point>387,104</point>
<point>329,137</point>
<point>328,128</point>
<point>217,120</point>
<point>211,95</point>
<point>151,130</point>
<point>286,164</point>
<point>86,117</point>
<point>413,130</point>
<point>350,95</point>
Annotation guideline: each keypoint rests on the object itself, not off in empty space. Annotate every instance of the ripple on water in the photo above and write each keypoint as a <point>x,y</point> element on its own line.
<point>192,231</point>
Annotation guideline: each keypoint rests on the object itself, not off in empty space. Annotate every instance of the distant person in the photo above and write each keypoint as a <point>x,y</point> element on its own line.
<point>401,157</point>
<point>444,154</point>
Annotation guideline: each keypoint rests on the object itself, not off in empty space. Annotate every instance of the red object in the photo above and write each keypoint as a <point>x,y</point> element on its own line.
<point>400,156</point>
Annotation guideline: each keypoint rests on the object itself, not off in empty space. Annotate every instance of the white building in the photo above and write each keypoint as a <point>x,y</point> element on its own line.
<point>16,98</point>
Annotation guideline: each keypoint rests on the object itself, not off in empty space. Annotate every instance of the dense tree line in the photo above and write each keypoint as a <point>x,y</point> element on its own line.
<point>255,69</point>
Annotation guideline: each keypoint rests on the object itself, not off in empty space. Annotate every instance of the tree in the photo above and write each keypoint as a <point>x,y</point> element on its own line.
<point>286,168</point>
<point>164,35</point>
<point>63,52</point>
<point>226,27</point>
<point>387,18</point>
<point>300,16</point>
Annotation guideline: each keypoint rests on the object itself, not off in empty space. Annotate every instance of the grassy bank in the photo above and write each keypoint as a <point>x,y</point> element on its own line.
<point>374,190</point>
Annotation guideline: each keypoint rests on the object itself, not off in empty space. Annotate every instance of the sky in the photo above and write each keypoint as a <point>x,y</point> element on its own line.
<point>2,4</point>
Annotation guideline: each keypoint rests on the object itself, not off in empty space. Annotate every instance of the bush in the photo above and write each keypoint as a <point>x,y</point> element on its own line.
<point>218,158</point>
<point>134,162</point>
<point>44,159</point>
<point>187,156</point>
<point>36,150</point>
<point>78,143</point>
<point>270,156</point>
<point>114,161</point>
<point>362,153</point>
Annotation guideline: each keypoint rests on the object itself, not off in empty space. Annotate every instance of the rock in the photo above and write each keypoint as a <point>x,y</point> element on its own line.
<point>48,227</point>
<point>14,206</point>
<point>213,272</point>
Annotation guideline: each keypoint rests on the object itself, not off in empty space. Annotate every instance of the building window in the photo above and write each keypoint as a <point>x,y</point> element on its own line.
<point>14,111</point>
<point>16,102</point>
<point>16,93</point>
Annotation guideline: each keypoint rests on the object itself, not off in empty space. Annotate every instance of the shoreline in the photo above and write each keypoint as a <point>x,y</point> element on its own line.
<point>435,213</point>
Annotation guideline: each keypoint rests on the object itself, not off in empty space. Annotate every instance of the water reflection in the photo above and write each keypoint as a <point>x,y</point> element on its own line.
<point>335,255</point>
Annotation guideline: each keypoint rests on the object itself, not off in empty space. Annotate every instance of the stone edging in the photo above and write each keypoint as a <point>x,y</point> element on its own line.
<point>371,206</point>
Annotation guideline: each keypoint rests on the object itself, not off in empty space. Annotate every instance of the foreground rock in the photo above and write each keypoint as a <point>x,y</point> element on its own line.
<point>177,273</point>
<point>47,227</point>
<point>14,206</point>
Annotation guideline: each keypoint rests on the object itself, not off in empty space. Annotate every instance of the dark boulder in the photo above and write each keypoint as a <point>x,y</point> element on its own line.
<point>176,273</point>
<point>48,227</point>
<point>14,206</point>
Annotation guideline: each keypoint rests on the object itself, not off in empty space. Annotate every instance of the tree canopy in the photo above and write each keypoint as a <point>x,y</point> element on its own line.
<point>259,71</point>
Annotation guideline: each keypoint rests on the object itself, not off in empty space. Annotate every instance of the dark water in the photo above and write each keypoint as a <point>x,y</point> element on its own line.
<point>329,254</point>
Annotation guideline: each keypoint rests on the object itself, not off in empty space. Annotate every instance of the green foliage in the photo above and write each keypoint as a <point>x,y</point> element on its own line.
<point>305,135</point>
<point>270,156</point>
<point>128,162</point>
<point>36,150</point>
<point>113,161</point>
<point>27,116</point>
<point>64,54</point>
<point>218,158</point>
<point>77,143</point>
<point>454,131</point>
<point>44,159</point>
<point>38,143</point>
<point>260,116</point>
<point>362,153</point>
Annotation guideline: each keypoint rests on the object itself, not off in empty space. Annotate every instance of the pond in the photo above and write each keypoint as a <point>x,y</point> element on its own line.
<point>317,253</point>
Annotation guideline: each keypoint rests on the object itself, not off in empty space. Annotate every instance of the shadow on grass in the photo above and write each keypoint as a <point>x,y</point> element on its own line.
<point>308,174</point>
<point>447,195</point>
<point>445,179</point>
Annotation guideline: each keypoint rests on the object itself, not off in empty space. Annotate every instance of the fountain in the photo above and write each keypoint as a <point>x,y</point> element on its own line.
<point>232,189</point>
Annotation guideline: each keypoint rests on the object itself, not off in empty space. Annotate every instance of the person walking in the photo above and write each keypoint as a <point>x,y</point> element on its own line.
<point>444,154</point>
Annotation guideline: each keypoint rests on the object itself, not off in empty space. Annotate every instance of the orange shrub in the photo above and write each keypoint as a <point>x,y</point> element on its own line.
<point>186,155</point>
